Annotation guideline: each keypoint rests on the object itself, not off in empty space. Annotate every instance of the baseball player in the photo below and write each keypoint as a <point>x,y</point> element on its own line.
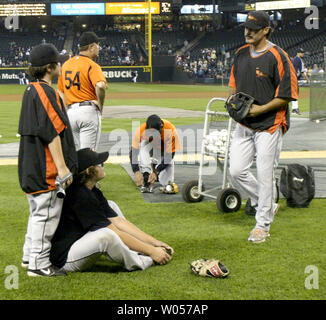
<point>300,71</point>
<point>264,71</point>
<point>82,85</point>
<point>91,226</point>
<point>157,137</point>
<point>46,152</point>
<point>21,78</point>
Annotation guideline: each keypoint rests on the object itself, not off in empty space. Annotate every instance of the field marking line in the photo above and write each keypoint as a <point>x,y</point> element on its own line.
<point>191,157</point>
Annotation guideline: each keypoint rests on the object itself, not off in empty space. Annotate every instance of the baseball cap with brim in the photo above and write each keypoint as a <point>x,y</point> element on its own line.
<point>87,38</point>
<point>257,20</point>
<point>88,158</point>
<point>44,54</point>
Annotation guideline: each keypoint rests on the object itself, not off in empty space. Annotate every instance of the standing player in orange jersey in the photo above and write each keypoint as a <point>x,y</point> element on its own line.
<point>82,86</point>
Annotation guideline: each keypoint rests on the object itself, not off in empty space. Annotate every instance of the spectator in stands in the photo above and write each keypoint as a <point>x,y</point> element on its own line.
<point>315,70</point>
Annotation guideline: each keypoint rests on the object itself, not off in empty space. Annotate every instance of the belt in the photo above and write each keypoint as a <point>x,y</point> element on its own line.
<point>81,104</point>
<point>86,103</point>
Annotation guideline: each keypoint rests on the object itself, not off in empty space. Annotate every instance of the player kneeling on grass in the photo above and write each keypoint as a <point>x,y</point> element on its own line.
<point>158,138</point>
<point>91,226</point>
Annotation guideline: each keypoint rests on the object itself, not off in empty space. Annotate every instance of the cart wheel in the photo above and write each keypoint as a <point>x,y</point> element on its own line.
<point>190,192</point>
<point>228,200</point>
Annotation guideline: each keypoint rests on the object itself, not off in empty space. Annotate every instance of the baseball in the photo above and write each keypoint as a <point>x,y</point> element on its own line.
<point>0,135</point>
<point>168,188</point>
<point>17,135</point>
<point>317,121</point>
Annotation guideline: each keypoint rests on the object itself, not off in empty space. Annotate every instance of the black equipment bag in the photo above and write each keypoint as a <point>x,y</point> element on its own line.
<point>297,185</point>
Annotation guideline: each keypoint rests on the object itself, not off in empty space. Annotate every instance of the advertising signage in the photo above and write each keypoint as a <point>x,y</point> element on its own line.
<point>129,8</point>
<point>101,8</point>
<point>23,9</point>
<point>77,9</point>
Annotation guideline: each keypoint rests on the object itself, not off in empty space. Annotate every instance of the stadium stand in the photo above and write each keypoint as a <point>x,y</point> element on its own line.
<point>200,50</point>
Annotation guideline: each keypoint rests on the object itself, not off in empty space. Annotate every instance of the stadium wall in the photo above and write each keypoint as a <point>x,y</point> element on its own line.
<point>122,74</point>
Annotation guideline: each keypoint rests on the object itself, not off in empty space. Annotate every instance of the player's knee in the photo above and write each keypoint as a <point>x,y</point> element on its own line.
<point>236,172</point>
<point>107,238</point>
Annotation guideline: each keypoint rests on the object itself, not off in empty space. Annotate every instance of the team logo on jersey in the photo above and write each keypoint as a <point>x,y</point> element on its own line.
<point>252,18</point>
<point>260,73</point>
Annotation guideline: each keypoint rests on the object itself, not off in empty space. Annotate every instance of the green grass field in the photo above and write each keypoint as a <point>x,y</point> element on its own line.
<point>10,110</point>
<point>272,270</point>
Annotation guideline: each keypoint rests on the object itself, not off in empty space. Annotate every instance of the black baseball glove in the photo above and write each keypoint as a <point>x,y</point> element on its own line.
<point>238,105</point>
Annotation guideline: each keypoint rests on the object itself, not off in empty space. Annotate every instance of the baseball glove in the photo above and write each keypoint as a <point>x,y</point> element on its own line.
<point>170,188</point>
<point>238,105</point>
<point>209,268</point>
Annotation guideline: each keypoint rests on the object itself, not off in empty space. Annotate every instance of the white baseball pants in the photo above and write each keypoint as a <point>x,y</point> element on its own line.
<point>85,123</point>
<point>166,175</point>
<point>87,250</point>
<point>45,212</point>
<point>246,144</point>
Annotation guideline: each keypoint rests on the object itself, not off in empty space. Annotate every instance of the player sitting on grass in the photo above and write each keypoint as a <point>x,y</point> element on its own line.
<point>91,226</point>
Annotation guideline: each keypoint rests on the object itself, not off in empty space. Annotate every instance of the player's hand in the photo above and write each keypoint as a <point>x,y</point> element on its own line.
<point>139,179</point>
<point>164,245</point>
<point>62,173</point>
<point>160,256</point>
<point>152,177</point>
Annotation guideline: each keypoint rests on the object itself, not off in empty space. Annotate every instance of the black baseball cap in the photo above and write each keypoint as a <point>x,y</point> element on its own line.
<point>44,54</point>
<point>154,122</point>
<point>88,37</point>
<point>257,20</point>
<point>87,158</point>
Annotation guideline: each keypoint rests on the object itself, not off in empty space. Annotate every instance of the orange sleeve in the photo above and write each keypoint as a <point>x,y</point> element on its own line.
<point>96,74</point>
<point>232,82</point>
<point>137,136</point>
<point>60,85</point>
<point>47,104</point>
<point>171,138</point>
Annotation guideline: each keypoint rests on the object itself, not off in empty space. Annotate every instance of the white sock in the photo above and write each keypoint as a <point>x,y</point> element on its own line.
<point>295,105</point>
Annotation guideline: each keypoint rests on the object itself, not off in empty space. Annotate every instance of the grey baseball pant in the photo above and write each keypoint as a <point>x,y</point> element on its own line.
<point>86,251</point>
<point>246,144</point>
<point>85,123</point>
<point>45,212</point>
<point>166,175</point>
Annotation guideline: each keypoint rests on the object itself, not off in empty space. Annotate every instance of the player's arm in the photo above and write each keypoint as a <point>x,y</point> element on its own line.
<point>133,156</point>
<point>100,88</point>
<point>274,104</point>
<point>304,74</point>
<point>62,96</point>
<point>130,228</point>
<point>57,155</point>
<point>158,254</point>
<point>232,91</point>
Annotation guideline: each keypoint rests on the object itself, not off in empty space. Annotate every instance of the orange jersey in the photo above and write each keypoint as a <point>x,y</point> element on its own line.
<point>169,137</point>
<point>78,78</point>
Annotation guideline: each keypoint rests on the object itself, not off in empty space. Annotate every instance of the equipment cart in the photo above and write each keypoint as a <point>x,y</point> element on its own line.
<point>218,128</point>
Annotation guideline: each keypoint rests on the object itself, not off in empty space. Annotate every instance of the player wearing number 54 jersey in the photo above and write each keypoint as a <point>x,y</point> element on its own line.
<point>82,86</point>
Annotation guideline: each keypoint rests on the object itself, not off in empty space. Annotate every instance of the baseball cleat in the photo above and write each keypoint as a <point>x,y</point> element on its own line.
<point>258,235</point>
<point>144,189</point>
<point>296,111</point>
<point>46,272</point>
